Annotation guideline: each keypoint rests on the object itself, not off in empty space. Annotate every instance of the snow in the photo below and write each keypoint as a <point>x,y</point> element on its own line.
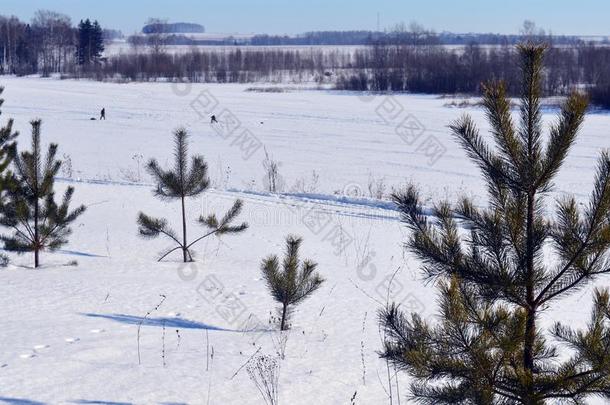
<point>124,47</point>
<point>69,333</point>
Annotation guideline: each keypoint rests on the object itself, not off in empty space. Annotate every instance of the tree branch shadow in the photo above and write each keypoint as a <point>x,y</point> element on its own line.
<point>169,322</point>
<point>19,401</point>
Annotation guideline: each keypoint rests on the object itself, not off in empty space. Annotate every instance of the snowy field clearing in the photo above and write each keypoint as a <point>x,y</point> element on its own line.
<point>69,333</point>
<point>122,47</point>
<point>346,139</point>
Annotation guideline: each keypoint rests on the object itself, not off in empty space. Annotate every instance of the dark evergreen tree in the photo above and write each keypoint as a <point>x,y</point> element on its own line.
<point>291,282</point>
<point>90,42</point>
<point>179,184</point>
<point>97,40</point>
<point>30,209</point>
<point>495,270</point>
<point>83,49</point>
<point>25,52</point>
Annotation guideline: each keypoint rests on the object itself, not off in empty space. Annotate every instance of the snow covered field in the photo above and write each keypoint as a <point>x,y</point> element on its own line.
<point>69,333</point>
<point>123,47</point>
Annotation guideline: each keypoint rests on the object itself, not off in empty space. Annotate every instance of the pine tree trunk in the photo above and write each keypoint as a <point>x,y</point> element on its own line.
<point>284,312</point>
<point>530,323</point>
<point>184,249</point>
<point>36,236</point>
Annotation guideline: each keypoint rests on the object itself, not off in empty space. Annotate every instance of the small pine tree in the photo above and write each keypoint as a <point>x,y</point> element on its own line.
<point>293,282</point>
<point>497,275</point>
<point>38,222</point>
<point>179,184</point>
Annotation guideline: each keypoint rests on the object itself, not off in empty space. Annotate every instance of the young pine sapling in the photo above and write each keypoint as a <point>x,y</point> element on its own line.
<point>291,282</point>
<point>30,209</point>
<point>180,183</point>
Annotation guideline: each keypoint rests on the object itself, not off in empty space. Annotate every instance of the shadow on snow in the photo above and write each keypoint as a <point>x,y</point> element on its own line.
<point>19,401</point>
<point>170,322</point>
<point>85,401</point>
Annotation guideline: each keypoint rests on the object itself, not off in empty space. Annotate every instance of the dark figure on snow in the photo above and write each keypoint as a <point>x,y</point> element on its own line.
<point>213,120</point>
<point>103,114</point>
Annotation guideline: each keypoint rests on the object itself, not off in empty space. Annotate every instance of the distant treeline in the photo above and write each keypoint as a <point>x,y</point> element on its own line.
<point>407,60</point>
<point>342,38</point>
<point>400,34</point>
<point>419,68</point>
<point>49,44</point>
<point>445,70</point>
<point>411,36</point>
<point>318,38</point>
<point>220,65</point>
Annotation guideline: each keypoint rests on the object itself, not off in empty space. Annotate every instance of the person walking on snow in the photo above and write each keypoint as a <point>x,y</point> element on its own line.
<point>213,120</point>
<point>103,114</point>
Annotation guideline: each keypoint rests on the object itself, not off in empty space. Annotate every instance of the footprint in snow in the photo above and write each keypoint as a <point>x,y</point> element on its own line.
<point>71,340</point>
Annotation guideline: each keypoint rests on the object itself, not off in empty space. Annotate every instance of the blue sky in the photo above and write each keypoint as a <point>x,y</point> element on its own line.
<point>585,17</point>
